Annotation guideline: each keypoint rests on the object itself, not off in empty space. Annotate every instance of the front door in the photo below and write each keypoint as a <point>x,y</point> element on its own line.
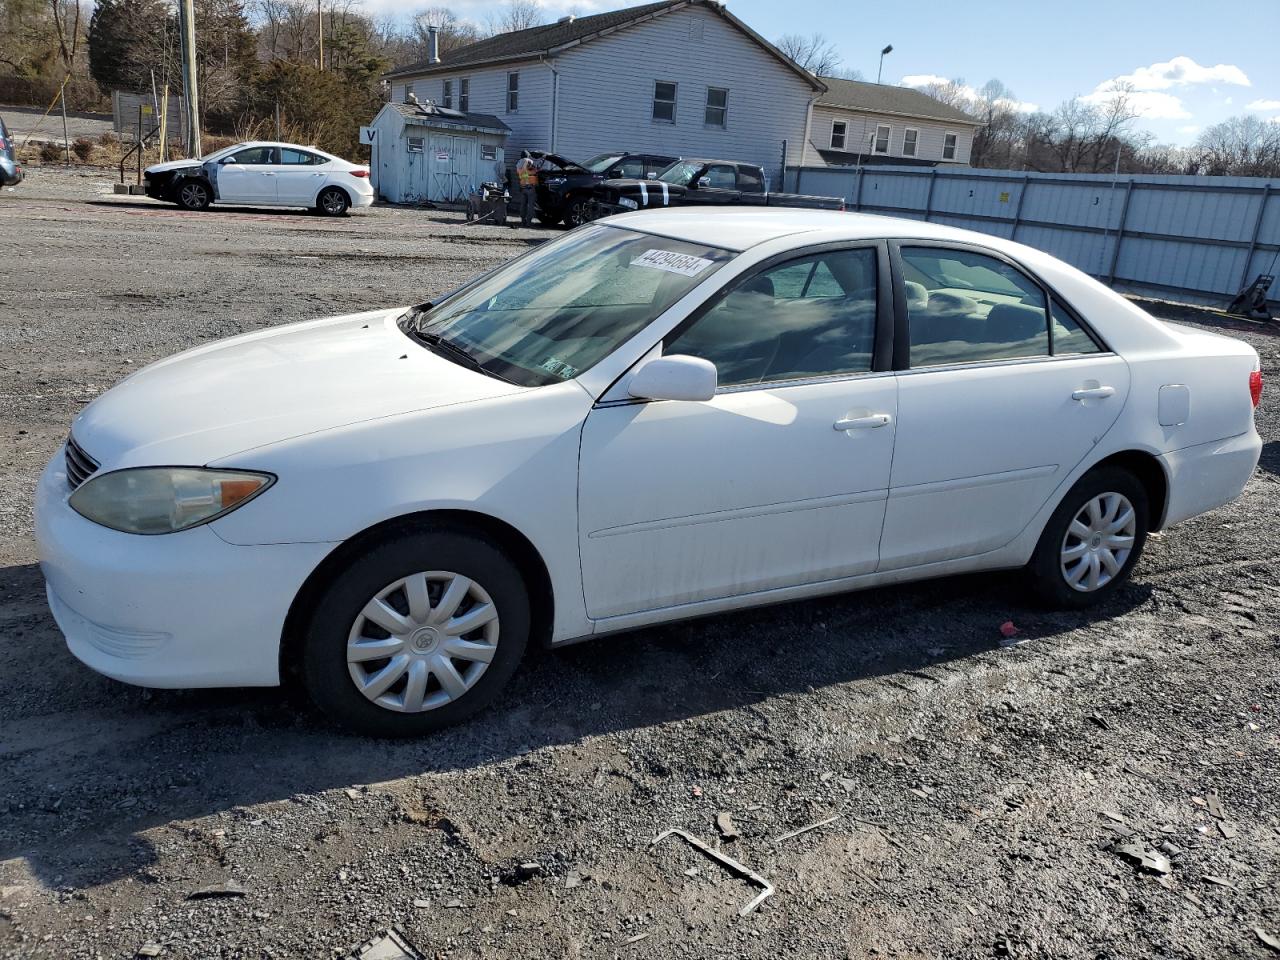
<point>1003,394</point>
<point>248,176</point>
<point>780,479</point>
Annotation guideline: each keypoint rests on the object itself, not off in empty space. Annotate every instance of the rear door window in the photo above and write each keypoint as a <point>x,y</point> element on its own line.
<point>967,307</point>
<point>291,157</point>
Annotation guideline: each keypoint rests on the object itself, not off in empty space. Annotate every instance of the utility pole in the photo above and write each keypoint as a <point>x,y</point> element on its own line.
<point>320,29</point>
<point>190,91</point>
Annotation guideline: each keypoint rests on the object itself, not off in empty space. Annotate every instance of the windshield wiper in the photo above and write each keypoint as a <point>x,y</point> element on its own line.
<point>456,353</point>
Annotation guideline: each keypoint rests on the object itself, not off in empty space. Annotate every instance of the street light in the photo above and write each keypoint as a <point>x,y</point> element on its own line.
<point>888,49</point>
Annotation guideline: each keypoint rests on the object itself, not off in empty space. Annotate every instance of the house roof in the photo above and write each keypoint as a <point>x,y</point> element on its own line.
<point>551,38</point>
<point>845,158</point>
<point>429,115</point>
<point>886,98</point>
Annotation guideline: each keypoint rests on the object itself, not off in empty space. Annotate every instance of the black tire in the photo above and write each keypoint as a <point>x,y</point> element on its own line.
<point>579,213</point>
<point>324,669</point>
<point>548,219</point>
<point>333,202</point>
<point>1048,578</point>
<point>194,194</point>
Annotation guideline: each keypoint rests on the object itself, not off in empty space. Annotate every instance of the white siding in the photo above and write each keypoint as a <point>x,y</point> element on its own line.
<point>928,145</point>
<point>530,124</point>
<point>606,93</point>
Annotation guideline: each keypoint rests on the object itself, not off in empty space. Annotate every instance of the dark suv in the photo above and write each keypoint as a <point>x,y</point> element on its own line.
<point>10,169</point>
<point>565,187</point>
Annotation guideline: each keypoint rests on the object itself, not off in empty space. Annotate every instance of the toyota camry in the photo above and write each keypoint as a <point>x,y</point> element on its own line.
<point>653,417</point>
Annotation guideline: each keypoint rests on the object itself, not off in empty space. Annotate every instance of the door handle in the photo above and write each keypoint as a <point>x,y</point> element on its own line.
<point>863,423</point>
<point>1093,393</point>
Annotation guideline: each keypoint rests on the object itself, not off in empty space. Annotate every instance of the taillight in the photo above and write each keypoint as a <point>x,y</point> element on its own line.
<point>359,173</point>
<point>1255,386</point>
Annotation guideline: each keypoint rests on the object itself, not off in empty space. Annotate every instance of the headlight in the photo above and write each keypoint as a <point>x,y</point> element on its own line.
<point>152,500</point>
<point>628,203</point>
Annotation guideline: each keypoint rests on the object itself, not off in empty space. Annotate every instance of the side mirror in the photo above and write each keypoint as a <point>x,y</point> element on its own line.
<point>704,181</point>
<point>652,175</point>
<point>677,377</point>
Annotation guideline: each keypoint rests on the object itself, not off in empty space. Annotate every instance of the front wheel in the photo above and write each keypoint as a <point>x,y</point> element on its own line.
<point>579,213</point>
<point>419,632</point>
<point>333,202</point>
<point>1092,540</point>
<point>194,195</point>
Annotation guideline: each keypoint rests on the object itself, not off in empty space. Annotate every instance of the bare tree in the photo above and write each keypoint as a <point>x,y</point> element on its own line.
<point>451,31</point>
<point>814,53</point>
<point>516,15</point>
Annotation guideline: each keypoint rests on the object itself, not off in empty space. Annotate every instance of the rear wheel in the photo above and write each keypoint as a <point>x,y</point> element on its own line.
<point>1092,541</point>
<point>194,195</point>
<point>333,202</point>
<point>419,632</point>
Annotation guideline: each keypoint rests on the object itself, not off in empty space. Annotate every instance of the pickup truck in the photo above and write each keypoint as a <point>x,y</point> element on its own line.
<point>564,187</point>
<point>701,182</point>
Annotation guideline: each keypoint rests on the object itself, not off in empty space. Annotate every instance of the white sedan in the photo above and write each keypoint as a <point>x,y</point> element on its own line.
<point>263,175</point>
<point>654,417</point>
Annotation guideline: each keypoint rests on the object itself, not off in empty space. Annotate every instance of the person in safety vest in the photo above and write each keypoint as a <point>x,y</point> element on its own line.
<point>527,179</point>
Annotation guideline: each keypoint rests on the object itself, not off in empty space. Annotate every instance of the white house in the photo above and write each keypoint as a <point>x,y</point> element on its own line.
<point>856,123</point>
<point>679,77</point>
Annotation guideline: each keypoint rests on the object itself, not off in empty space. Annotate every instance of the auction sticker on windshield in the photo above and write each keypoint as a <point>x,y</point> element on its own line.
<point>681,263</point>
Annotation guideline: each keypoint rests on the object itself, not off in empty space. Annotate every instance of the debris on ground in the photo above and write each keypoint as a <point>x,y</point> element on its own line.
<point>228,889</point>
<point>1267,939</point>
<point>149,950</point>
<point>636,939</point>
<point>1009,634</point>
<point>1215,806</point>
<point>766,888</point>
<point>1138,854</point>
<point>725,824</point>
<point>806,829</point>
<point>388,944</point>
<point>1219,881</point>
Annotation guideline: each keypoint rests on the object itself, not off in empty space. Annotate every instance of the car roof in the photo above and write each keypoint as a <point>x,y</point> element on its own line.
<point>739,228</point>
<point>278,143</point>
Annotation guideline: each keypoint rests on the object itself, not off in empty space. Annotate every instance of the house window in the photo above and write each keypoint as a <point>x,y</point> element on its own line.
<point>408,92</point>
<point>513,92</point>
<point>948,146</point>
<point>417,144</point>
<point>882,139</point>
<point>464,95</point>
<point>664,101</point>
<point>909,139</point>
<point>446,95</point>
<point>717,107</point>
<point>838,130</point>
<point>488,151</point>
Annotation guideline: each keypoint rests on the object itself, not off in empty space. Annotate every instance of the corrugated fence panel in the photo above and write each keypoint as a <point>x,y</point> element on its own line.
<point>1198,238</point>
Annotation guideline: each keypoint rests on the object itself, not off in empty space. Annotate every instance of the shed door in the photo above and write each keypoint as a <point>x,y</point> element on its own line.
<point>452,163</point>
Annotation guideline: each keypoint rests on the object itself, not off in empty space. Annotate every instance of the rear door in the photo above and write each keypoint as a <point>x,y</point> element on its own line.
<point>300,175</point>
<point>248,176</point>
<point>1002,392</point>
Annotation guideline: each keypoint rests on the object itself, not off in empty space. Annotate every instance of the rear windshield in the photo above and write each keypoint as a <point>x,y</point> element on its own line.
<point>560,309</point>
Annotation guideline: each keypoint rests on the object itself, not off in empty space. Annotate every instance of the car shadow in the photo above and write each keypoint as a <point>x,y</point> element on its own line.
<point>88,765</point>
<point>1269,461</point>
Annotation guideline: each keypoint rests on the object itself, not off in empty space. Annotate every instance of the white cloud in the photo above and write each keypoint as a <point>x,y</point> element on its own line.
<point>1189,128</point>
<point>1182,72</point>
<point>1148,104</point>
<point>1264,105</point>
<point>968,92</point>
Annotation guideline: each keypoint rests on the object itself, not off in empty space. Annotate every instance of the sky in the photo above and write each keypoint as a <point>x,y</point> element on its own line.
<point>1192,63</point>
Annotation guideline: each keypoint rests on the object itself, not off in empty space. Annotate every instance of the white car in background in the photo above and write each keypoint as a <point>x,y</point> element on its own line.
<point>654,417</point>
<point>263,175</point>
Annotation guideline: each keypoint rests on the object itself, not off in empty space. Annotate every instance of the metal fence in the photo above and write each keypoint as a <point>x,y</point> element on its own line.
<point>128,108</point>
<point>1197,239</point>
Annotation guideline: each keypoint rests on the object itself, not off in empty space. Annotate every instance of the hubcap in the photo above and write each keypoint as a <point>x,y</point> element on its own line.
<point>193,195</point>
<point>332,202</point>
<point>1098,542</point>
<point>422,641</point>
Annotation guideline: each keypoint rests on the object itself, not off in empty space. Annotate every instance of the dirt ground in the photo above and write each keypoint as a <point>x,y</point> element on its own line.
<point>979,791</point>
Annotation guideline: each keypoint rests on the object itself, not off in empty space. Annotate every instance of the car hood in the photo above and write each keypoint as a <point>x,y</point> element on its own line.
<point>174,165</point>
<point>264,387</point>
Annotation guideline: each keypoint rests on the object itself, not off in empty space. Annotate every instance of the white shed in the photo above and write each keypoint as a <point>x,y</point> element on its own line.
<point>424,152</point>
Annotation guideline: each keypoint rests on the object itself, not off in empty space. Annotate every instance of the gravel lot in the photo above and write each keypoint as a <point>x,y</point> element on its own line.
<point>979,791</point>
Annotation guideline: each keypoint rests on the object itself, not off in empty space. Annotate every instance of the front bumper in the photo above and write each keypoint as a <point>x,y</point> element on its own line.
<point>185,609</point>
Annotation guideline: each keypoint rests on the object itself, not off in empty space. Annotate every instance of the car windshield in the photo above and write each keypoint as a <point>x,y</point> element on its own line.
<point>602,163</point>
<point>681,173</point>
<point>560,309</point>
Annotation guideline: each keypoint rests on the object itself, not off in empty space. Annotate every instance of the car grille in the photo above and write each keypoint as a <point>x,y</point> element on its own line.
<point>80,466</point>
